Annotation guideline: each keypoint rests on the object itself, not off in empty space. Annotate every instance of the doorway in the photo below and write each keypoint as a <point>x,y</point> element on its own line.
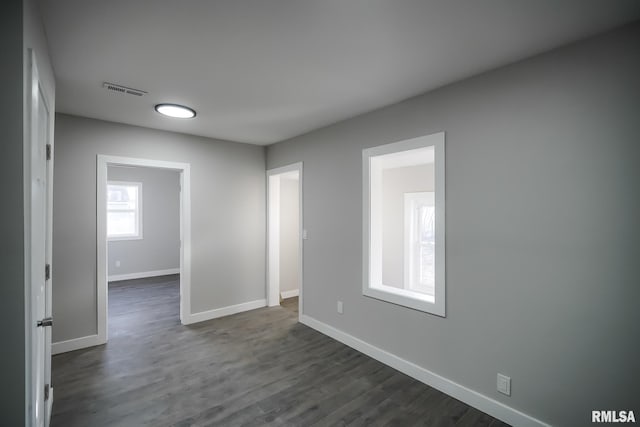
<point>134,229</point>
<point>285,235</point>
<point>143,246</point>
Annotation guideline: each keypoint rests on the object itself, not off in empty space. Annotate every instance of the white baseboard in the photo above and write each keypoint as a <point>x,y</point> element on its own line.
<point>75,344</point>
<point>142,275</point>
<point>472,398</point>
<point>289,294</point>
<point>93,340</point>
<point>224,311</point>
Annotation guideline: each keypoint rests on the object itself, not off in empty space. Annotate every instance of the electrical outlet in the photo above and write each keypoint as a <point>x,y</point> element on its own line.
<point>504,384</point>
<point>117,263</point>
<point>340,307</point>
<point>304,234</point>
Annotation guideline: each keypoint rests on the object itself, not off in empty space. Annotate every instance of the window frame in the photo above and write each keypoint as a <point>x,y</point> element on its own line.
<point>138,211</point>
<point>372,285</point>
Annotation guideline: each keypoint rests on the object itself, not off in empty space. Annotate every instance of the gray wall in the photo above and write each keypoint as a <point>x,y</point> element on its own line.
<point>227,216</point>
<point>12,327</point>
<point>542,175</point>
<point>289,234</point>
<point>396,182</point>
<point>159,249</point>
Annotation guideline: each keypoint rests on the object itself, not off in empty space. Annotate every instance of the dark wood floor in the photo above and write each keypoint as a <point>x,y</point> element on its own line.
<point>254,368</point>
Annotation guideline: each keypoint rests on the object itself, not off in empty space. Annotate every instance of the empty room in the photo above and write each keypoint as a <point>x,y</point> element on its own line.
<point>320,213</point>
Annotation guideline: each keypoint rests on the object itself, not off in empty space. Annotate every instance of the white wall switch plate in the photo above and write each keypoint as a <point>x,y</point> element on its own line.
<point>340,307</point>
<point>117,263</point>
<point>304,234</point>
<point>504,384</point>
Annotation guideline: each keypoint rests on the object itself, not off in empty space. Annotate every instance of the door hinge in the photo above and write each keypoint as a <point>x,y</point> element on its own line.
<point>47,271</point>
<point>48,151</point>
<point>46,392</point>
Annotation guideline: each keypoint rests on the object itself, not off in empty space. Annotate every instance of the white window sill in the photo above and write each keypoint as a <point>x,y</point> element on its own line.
<point>406,298</point>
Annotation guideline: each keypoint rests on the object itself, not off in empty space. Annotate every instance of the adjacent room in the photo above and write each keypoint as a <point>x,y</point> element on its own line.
<point>392,213</point>
<point>143,246</point>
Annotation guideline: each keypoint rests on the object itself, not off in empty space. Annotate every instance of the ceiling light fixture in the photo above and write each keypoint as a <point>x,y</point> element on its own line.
<point>176,111</point>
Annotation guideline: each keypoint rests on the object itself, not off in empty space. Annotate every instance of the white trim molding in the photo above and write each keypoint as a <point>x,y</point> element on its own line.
<point>143,274</point>
<point>289,294</point>
<point>93,340</point>
<point>75,344</point>
<point>224,311</point>
<point>374,161</point>
<point>470,397</point>
<point>103,161</point>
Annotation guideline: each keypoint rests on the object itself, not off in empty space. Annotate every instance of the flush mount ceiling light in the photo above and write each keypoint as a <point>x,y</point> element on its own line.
<point>176,111</point>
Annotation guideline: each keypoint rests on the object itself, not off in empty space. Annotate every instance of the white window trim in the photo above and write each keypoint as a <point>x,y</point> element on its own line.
<point>372,247</point>
<point>139,217</point>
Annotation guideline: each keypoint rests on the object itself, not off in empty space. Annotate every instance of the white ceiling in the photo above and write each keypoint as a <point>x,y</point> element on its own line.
<point>261,71</point>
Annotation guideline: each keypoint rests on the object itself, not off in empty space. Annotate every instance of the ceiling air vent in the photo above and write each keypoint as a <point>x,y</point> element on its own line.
<point>123,89</point>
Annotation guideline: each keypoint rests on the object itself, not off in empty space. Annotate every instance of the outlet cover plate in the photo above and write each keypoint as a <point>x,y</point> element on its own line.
<point>504,384</point>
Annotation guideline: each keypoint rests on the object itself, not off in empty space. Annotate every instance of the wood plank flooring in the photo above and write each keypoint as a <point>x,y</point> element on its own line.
<point>254,368</point>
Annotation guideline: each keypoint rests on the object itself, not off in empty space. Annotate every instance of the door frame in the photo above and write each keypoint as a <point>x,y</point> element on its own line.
<point>273,228</point>
<point>103,161</point>
<point>35,92</point>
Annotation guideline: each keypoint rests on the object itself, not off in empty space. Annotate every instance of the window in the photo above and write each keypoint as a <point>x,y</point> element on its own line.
<point>403,214</point>
<point>124,210</point>
<point>420,242</point>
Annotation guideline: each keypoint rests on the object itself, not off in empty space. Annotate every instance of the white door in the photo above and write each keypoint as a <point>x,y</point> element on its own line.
<point>45,117</point>
<point>40,344</point>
